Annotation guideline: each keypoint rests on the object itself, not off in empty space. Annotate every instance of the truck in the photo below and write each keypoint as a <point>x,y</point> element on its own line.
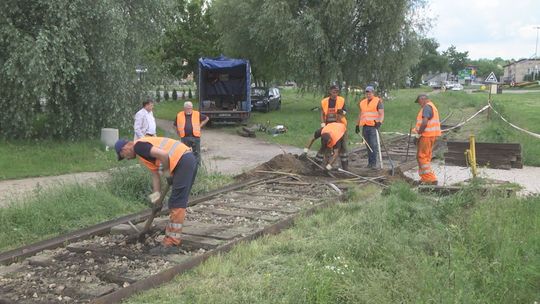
<point>224,89</point>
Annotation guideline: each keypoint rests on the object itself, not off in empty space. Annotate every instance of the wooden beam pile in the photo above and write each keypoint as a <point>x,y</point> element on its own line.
<point>492,155</point>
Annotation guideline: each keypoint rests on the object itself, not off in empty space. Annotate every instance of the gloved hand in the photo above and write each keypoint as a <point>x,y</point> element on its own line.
<point>416,137</point>
<point>378,124</point>
<point>323,124</point>
<point>357,129</point>
<point>341,112</point>
<point>328,167</point>
<point>306,150</point>
<point>154,197</point>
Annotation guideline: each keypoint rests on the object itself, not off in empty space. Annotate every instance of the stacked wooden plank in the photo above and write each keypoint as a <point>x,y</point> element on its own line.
<point>491,155</point>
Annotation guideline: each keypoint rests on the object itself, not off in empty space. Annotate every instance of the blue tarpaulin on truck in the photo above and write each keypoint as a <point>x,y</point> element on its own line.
<point>221,62</point>
<point>225,85</point>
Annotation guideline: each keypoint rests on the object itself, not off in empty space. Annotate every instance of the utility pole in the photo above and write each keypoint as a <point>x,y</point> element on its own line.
<point>536,48</point>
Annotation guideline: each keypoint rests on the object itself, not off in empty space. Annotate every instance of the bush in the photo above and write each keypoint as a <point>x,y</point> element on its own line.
<point>190,95</point>
<point>174,95</point>
<point>166,95</point>
<point>158,96</point>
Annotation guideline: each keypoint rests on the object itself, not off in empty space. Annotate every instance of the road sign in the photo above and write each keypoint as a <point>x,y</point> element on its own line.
<point>491,78</point>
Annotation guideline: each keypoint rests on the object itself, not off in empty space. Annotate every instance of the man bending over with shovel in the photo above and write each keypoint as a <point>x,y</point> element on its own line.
<point>174,161</point>
<point>333,140</point>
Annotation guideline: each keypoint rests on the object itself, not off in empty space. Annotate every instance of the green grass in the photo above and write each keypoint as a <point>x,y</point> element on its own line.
<point>169,109</point>
<point>66,208</point>
<point>43,158</point>
<point>399,248</point>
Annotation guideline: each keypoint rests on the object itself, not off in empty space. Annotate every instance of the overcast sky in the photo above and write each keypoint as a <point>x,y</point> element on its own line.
<point>486,28</point>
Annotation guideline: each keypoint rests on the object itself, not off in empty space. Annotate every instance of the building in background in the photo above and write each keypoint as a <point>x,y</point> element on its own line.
<point>522,70</point>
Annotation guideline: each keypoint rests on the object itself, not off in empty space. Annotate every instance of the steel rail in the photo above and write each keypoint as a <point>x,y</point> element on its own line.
<point>14,255</point>
<point>168,274</point>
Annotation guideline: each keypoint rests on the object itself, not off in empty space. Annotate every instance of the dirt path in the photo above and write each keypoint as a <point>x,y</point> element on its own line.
<point>222,152</point>
<point>19,188</point>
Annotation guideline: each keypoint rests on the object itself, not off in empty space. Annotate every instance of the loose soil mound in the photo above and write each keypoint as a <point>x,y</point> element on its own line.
<point>289,163</point>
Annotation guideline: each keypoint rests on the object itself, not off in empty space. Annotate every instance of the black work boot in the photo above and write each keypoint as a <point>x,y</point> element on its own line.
<point>345,165</point>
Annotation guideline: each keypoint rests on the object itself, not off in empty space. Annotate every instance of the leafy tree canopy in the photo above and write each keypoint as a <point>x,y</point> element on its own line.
<point>68,66</point>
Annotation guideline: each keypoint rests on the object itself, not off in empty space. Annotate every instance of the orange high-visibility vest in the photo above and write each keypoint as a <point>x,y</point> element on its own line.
<point>369,112</point>
<point>195,122</point>
<point>433,128</point>
<point>174,148</point>
<point>340,102</point>
<point>336,131</point>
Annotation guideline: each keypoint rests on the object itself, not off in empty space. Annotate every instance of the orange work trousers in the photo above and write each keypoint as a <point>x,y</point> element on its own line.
<point>423,155</point>
<point>173,230</point>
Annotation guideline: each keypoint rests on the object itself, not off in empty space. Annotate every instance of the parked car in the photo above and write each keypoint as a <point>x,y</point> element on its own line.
<point>435,84</point>
<point>265,99</point>
<point>457,87</point>
<point>449,85</point>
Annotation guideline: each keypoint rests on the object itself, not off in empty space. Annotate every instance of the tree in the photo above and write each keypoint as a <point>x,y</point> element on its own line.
<point>319,42</point>
<point>485,66</point>
<point>456,60</point>
<point>75,58</point>
<point>430,61</point>
<point>189,35</point>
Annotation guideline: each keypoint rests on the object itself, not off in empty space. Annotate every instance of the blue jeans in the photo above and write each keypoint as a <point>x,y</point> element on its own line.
<point>370,134</point>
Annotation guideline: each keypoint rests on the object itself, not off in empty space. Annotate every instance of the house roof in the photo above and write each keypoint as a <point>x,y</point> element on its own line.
<point>521,60</point>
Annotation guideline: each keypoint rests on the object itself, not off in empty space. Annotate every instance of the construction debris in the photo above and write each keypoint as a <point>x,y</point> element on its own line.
<point>492,155</point>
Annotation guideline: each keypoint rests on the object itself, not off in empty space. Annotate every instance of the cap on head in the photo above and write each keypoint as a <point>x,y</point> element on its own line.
<point>370,89</point>
<point>421,96</point>
<point>188,104</point>
<point>334,87</point>
<point>118,147</point>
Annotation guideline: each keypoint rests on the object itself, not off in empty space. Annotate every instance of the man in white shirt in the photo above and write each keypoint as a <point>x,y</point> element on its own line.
<point>145,123</point>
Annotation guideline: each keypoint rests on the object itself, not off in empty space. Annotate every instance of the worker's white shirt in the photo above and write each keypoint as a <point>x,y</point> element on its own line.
<point>145,123</point>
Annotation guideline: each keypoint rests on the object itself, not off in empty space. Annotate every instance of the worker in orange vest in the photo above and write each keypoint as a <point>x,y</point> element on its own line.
<point>188,126</point>
<point>332,144</point>
<point>333,108</point>
<point>370,119</point>
<point>428,128</point>
<point>173,160</point>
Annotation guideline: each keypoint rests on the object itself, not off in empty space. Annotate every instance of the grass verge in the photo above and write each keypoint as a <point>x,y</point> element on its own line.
<point>398,248</point>
<point>21,159</point>
<point>67,208</point>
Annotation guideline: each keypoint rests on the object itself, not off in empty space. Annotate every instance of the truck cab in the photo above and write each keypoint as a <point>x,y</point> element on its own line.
<point>224,87</point>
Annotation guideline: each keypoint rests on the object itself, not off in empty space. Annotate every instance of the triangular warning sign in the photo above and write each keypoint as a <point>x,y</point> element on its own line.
<point>491,78</point>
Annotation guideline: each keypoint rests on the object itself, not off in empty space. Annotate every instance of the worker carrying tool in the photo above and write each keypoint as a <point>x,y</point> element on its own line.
<point>333,143</point>
<point>173,160</point>
<point>333,108</point>
<point>428,128</point>
<point>370,119</point>
<point>188,126</point>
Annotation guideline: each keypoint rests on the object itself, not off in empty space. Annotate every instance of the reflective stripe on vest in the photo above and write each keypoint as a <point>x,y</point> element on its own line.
<point>173,234</point>
<point>175,225</point>
<point>174,148</point>
<point>433,128</point>
<point>369,112</point>
<point>336,131</point>
<point>340,102</point>
<point>195,123</point>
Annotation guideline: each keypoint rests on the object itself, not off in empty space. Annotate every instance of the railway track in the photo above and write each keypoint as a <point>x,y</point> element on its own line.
<point>103,263</point>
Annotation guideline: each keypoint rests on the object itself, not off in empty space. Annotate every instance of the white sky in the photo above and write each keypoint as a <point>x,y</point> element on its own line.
<point>486,28</point>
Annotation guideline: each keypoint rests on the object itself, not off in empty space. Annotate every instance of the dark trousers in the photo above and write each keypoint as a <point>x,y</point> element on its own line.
<point>183,178</point>
<point>195,144</point>
<point>370,135</point>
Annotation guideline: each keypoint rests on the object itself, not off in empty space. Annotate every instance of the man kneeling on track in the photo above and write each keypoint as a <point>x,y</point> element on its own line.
<point>333,141</point>
<point>174,161</point>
